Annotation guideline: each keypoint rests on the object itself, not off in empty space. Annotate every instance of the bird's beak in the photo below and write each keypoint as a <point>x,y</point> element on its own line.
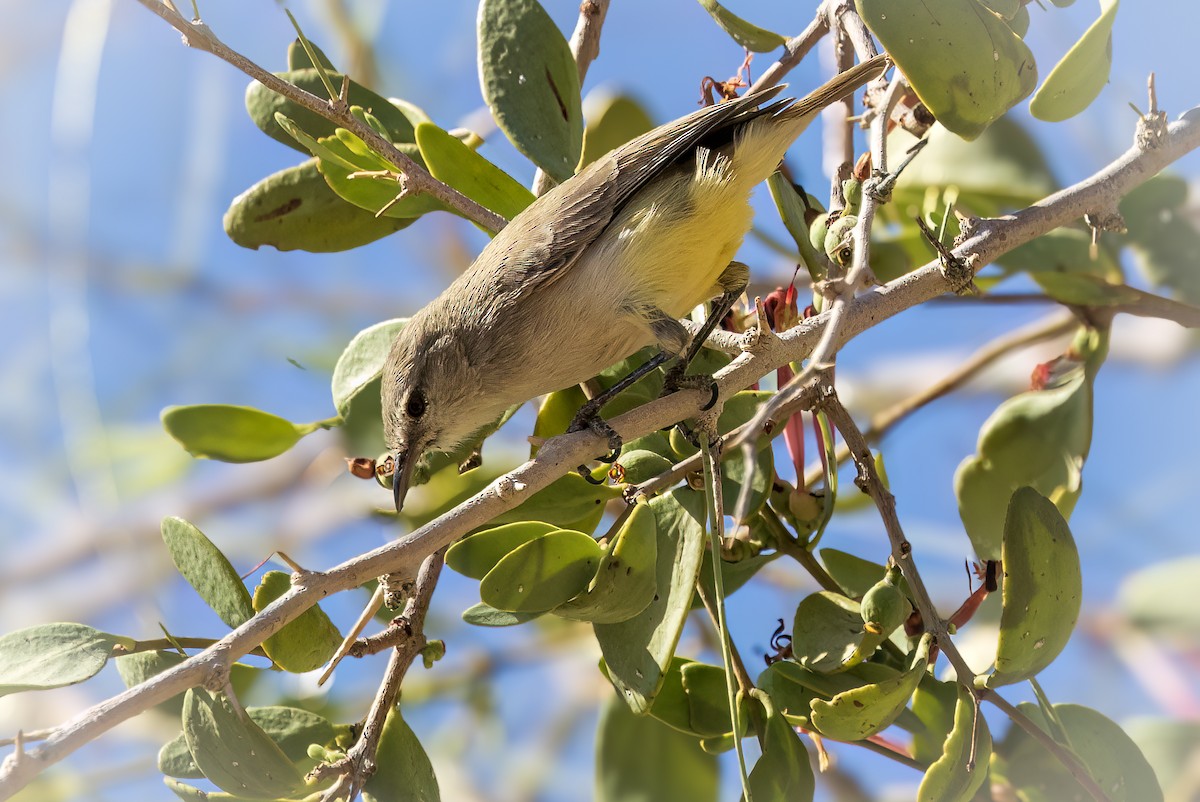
<point>405,459</point>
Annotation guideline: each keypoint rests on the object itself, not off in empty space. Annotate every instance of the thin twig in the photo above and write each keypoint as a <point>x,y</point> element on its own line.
<point>359,763</point>
<point>794,51</point>
<point>1052,326</point>
<point>418,180</point>
<point>585,47</point>
<point>871,483</point>
<point>987,240</point>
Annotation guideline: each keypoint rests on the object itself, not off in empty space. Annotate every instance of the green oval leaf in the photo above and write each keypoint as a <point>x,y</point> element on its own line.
<point>951,778</point>
<point>862,712</point>
<point>208,571</point>
<point>1042,589</point>
<point>746,34</point>
<point>671,703</point>
<point>291,728</point>
<point>362,362</point>
<point>262,104</point>
<point>232,751</point>
<point>1111,757</point>
<point>231,433</point>
<point>295,209</point>
<point>477,554</point>
<point>965,63</point>
<point>626,579</point>
<point>531,84</point>
<point>1039,439</point>
<point>640,758</point>
<point>638,651</point>
<point>304,644</point>
<point>54,655</point>
<point>405,773</point>
<point>1077,80</point>
<point>541,574</point>
<point>451,161</point>
<point>483,615</point>
<point>826,631</point>
<point>783,771</point>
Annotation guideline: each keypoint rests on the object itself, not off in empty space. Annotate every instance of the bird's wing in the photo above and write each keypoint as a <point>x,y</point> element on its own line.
<point>535,249</point>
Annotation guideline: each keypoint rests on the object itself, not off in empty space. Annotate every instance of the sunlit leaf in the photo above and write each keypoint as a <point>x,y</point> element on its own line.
<point>295,209</point>
<point>1039,439</point>
<point>626,578</point>
<point>826,631</point>
<point>1076,80</point>
<point>745,33</point>
<point>232,751</point>
<point>1042,588</point>
<point>208,571</point>
<point>477,554</point>
<point>863,712</point>
<point>638,651</point>
<point>541,574</point>
<point>305,643</point>
<point>232,433</point>
<point>451,161</point>
<point>262,104</point>
<point>53,655</point>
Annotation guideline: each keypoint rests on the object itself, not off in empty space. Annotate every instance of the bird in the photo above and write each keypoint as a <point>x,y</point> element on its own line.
<point>594,270</point>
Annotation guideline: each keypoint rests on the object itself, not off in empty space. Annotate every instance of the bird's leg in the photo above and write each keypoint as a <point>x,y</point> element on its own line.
<point>733,282</point>
<point>588,416</point>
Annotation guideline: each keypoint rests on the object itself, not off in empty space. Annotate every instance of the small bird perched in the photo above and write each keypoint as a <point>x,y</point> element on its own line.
<point>594,270</point>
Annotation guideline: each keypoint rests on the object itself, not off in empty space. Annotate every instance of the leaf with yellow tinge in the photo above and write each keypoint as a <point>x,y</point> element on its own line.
<point>1042,588</point>
<point>745,33</point>
<point>862,712</point>
<point>1076,80</point>
<point>451,161</point>
<point>304,644</point>
<point>952,778</point>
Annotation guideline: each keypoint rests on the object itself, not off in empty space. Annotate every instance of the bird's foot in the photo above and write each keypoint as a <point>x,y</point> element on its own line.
<point>588,419</point>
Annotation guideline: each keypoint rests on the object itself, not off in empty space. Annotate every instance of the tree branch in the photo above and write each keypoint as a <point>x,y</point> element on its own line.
<point>359,763</point>
<point>417,179</point>
<point>985,240</point>
<point>882,423</point>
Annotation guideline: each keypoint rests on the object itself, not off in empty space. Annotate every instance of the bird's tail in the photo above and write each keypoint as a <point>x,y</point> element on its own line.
<point>761,144</point>
<point>837,88</point>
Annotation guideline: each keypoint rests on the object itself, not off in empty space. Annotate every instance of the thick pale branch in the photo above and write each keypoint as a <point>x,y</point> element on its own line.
<point>559,455</point>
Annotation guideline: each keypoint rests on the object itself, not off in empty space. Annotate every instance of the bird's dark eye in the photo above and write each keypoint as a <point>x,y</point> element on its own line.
<point>415,406</point>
